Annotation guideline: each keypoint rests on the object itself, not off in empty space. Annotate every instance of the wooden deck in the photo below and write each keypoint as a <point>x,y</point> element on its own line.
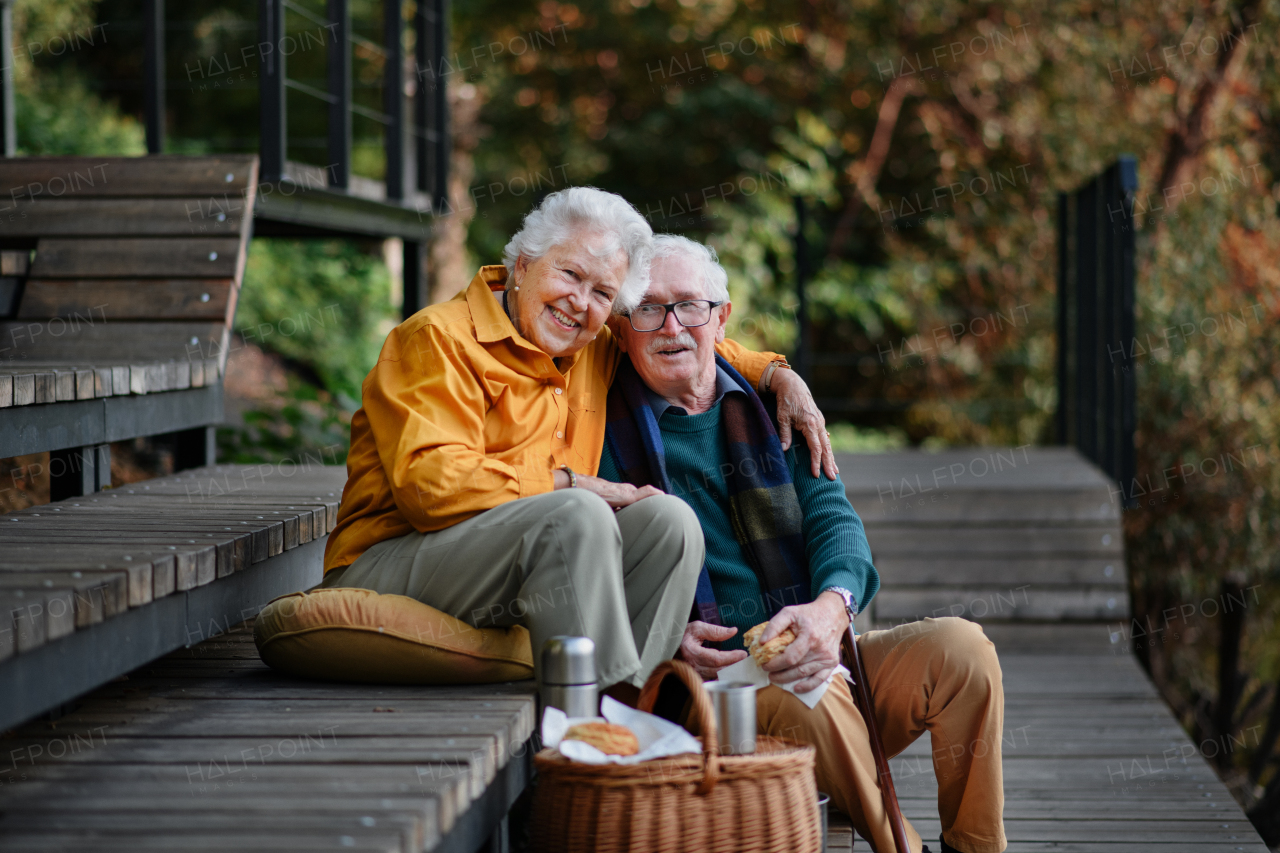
<point>208,749</point>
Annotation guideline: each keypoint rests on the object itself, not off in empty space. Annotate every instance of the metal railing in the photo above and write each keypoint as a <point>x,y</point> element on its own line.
<point>421,124</point>
<point>1096,388</point>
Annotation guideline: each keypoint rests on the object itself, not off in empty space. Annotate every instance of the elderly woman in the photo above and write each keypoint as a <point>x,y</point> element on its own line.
<point>471,480</point>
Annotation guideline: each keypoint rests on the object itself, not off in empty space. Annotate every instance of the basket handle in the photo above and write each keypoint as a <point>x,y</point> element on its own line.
<point>701,709</point>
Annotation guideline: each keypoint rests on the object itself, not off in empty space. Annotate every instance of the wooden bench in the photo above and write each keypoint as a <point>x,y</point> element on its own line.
<point>92,587</point>
<point>118,282</point>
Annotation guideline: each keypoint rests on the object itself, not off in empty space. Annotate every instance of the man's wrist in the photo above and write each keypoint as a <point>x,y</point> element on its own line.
<point>847,602</point>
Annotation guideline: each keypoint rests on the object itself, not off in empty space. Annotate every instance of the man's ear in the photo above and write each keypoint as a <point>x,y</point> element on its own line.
<point>725,310</point>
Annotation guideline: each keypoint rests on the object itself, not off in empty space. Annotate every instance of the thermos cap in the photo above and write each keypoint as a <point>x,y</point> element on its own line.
<point>569,660</point>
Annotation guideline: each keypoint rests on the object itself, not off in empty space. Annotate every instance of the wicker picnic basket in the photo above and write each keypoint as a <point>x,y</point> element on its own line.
<point>705,803</point>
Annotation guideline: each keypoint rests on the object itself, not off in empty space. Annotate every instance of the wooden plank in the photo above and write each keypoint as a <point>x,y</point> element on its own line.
<point>6,390</point>
<point>95,594</point>
<point>121,342</point>
<point>217,214</point>
<point>15,262</point>
<point>209,257</point>
<point>965,570</point>
<point>24,389</point>
<point>1086,541</point>
<point>1026,602</point>
<point>156,175</point>
<point>128,299</point>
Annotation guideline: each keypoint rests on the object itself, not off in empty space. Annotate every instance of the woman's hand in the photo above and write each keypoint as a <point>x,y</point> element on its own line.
<point>616,495</point>
<point>797,408</point>
<point>707,661</point>
<point>815,652</point>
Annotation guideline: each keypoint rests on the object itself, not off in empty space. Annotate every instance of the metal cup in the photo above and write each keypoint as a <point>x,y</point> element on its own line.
<point>734,705</point>
<point>823,802</point>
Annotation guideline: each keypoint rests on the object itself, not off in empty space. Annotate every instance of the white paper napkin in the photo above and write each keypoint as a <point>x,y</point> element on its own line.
<point>658,738</point>
<point>749,671</point>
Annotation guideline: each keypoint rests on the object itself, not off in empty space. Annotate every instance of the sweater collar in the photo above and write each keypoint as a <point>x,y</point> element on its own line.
<point>659,406</point>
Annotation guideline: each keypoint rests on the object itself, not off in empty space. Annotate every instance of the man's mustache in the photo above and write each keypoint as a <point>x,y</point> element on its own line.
<point>684,339</point>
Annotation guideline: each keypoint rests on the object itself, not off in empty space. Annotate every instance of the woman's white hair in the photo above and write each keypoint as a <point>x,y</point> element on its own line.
<point>715,281</point>
<point>561,214</point>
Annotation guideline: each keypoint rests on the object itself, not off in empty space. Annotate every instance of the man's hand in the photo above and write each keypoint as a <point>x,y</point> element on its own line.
<point>797,408</point>
<point>707,661</point>
<point>617,495</point>
<point>815,652</point>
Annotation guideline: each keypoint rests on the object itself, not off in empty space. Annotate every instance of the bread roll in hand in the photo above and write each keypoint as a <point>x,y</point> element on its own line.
<point>770,650</point>
<point>609,738</point>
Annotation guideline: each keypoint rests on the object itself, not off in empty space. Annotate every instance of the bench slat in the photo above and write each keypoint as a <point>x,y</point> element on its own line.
<point>126,217</point>
<point>97,300</point>
<point>208,257</point>
<point>120,342</point>
<point>154,175</point>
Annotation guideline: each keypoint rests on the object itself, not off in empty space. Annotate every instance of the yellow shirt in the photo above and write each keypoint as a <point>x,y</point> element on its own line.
<point>462,414</point>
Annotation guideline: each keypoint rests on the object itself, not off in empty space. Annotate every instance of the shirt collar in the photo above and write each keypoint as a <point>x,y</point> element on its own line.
<point>492,322</point>
<point>724,385</point>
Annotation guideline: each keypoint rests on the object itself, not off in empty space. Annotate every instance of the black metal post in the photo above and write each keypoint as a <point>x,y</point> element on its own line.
<point>72,473</point>
<point>194,448</point>
<point>340,90</point>
<point>803,333</point>
<point>393,98</point>
<point>8,127</point>
<point>271,109</point>
<point>1097,409</point>
<point>1066,318</point>
<point>153,74</point>
<point>415,299</point>
<point>431,104</point>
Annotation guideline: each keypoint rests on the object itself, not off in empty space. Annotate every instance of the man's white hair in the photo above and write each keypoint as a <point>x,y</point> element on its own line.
<point>561,214</point>
<point>715,281</point>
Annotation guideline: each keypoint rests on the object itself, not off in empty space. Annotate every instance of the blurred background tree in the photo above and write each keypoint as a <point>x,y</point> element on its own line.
<point>927,140</point>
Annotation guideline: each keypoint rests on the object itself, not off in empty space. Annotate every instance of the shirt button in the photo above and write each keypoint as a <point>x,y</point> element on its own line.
<point>559,391</point>
<point>559,434</point>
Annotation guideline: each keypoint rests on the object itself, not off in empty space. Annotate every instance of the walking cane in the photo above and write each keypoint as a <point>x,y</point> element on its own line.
<point>862,698</point>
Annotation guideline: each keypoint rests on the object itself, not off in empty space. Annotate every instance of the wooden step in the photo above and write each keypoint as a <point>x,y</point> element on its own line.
<point>1025,602</point>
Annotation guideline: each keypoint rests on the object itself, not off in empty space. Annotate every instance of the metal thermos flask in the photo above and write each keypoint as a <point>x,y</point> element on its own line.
<point>569,676</point>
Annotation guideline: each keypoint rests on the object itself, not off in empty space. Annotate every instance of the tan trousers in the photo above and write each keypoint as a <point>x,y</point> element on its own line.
<point>937,675</point>
<point>557,563</point>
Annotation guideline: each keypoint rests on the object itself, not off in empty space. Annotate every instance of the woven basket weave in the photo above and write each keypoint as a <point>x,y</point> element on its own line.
<point>706,803</point>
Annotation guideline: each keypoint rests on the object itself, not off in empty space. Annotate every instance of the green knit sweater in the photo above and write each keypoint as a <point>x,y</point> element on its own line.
<point>835,542</point>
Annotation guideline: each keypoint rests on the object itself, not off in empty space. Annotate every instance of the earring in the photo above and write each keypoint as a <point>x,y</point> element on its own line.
<point>517,287</point>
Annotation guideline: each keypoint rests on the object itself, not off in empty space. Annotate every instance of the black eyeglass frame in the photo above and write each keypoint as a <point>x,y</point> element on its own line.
<point>671,307</point>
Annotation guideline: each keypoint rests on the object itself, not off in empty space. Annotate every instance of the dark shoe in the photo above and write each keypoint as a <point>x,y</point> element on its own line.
<point>946,848</point>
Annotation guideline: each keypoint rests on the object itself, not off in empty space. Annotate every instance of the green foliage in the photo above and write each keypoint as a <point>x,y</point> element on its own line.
<point>322,303</point>
<point>57,114</point>
<point>307,424</point>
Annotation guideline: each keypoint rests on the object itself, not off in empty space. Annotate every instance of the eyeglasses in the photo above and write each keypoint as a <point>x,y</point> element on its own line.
<point>691,313</point>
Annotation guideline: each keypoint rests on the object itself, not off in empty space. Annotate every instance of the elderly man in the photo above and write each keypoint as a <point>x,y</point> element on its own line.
<point>470,477</point>
<point>784,545</point>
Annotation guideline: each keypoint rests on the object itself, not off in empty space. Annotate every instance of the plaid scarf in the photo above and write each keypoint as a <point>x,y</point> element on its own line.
<point>763,508</point>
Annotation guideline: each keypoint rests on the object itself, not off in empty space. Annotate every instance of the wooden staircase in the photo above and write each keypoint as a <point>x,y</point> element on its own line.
<point>991,534</point>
